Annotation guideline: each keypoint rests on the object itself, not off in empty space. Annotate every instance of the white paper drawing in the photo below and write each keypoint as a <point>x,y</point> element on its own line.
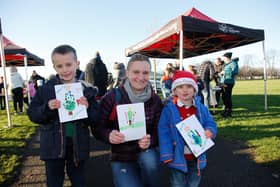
<point>132,122</point>
<point>193,134</point>
<point>69,95</point>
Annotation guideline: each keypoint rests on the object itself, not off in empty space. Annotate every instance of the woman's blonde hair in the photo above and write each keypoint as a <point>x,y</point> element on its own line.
<point>138,57</point>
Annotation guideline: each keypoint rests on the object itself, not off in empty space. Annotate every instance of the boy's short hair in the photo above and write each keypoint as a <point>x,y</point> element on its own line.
<point>64,49</point>
<point>138,57</point>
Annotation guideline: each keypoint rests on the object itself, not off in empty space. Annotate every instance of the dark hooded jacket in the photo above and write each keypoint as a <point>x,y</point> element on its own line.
<point>52,132</point>
<point>96,73</point>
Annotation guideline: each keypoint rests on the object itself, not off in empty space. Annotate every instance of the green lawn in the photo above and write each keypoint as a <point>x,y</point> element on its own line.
<point>250,124</point>
<point>12,143</point>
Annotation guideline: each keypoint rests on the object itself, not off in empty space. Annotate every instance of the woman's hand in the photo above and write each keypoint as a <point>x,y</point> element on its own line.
<point>145,142</point>
<point>115,137</point>
<point>54,104</point>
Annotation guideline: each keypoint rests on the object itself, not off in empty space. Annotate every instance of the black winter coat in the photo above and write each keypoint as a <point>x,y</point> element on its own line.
<point>52,132</point>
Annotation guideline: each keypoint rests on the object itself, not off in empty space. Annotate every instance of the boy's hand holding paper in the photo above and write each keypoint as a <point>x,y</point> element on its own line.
<point>73,105</point>
<point>194,135</point>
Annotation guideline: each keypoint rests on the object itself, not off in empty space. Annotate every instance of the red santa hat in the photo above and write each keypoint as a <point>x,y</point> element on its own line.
<point>184,77</point>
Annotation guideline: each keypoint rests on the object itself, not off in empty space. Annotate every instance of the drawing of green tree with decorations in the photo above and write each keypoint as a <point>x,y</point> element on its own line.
<point>69,103</point>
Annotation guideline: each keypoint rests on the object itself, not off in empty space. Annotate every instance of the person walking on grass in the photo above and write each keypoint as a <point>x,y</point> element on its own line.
<point>184,166</point>
<point>63,144</point>
<point>16,84</point>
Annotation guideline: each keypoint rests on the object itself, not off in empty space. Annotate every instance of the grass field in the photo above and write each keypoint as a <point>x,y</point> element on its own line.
<point>12,143</point>
<point>250,124</point>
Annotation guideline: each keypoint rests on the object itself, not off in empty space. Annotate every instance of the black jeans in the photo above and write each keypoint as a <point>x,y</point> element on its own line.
<point>218,96</point>
<point>55,170</point>
<point>18,98</point>
<point>226,96</point>
<point>2,102</point>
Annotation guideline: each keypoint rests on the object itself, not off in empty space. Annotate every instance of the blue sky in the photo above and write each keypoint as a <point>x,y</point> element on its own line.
<point>111,26</point>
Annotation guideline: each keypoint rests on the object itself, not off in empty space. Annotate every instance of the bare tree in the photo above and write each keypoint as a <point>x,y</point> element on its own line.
<point>272,62</point>
<point>248,64</point>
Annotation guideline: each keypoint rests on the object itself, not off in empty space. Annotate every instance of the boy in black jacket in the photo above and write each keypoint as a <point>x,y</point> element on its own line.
<point>63,143</point>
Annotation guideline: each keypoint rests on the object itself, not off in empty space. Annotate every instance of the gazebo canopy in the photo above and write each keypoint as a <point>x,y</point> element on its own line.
<point>14,55</point>
<point>201,35</point>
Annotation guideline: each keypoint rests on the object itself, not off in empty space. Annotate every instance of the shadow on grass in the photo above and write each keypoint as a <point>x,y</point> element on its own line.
<point>262,124</point>
<point>243,134</point>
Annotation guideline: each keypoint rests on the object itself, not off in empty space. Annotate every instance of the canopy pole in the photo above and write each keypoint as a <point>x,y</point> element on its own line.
<point>155,75</point>
<point>5,78</point>
<point>264,77</point>
<point>181,50</point>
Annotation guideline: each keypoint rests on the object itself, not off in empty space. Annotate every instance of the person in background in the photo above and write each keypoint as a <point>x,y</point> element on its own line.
<point>206,72</point>
<point>133,163</point>
<point>192,68</point>
<point>218,69</point>
<point>229,73</point>
<point>110,81</point>
<point>25,94</point>
<point>63,144</point>
<point>96,74</point>
<point>200,85</point>
<point>166,82</point>
<point>177,65</point>
<point>184,166</point>
<point>16,84</point>
<point>118,73</point>
<point>37,79</point>
<point>31,89</point>
<point>80,75</point>
<point>2,94</point>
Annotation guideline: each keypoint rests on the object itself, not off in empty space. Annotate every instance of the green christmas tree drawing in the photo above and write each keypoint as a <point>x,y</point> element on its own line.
<point>69,103</point>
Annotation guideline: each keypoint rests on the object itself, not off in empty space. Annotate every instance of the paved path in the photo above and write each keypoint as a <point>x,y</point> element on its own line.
<point>228,166</point>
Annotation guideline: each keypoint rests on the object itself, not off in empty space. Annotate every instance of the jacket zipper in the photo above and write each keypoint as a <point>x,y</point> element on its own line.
<point>75,146</point>
<point>62,141</point>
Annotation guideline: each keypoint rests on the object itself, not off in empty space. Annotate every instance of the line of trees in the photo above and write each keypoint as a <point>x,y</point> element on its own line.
<point>250,71</point>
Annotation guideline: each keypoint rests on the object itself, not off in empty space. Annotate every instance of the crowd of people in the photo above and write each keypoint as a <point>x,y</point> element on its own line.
<point>133,163</point>
<point>215,81</point>
<point>22,91</point>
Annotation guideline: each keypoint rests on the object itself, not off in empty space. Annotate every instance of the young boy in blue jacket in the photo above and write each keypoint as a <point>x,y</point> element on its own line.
<point>184,166</point>
<point>63,144</point>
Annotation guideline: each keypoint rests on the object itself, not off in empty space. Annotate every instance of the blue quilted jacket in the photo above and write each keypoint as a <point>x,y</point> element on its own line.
<point>171,142</point>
